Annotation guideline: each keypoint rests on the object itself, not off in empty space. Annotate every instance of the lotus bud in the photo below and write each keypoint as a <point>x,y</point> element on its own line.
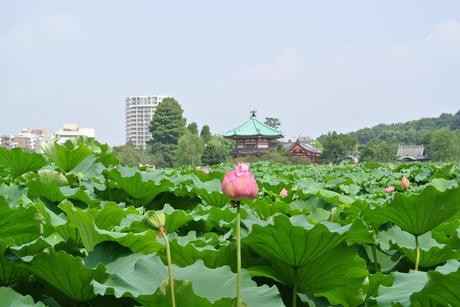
<point>283,192</point>
<point>156,219</point>
<point>390,189</point>
<point>405,183</point>
<point>240,183</point>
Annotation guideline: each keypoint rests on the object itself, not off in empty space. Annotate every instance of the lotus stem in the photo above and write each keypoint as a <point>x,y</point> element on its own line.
<point>170,270</point>
<point>374,255</point>
<point>294,288</point>
<point>238,255</point>
<point>417,252</point>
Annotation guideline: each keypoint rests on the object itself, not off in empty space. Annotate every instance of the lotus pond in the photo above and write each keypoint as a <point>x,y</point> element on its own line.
<point>73,233</point>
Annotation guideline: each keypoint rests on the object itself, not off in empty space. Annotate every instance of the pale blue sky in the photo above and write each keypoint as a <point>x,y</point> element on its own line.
<point>316,65</point>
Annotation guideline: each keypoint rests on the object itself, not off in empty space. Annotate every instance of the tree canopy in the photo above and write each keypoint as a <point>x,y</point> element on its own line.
<point>192,128</point>
<point>189,150</point>
<point>206,133</point>
<point>272,122</point>
<point>167,126</point>
<point>443,145</point>
<point>337,147</point>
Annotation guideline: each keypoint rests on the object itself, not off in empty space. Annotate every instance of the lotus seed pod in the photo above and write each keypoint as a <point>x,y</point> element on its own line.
<point>156,219</point>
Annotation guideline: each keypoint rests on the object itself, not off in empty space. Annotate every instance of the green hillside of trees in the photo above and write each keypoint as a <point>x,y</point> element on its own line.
<point>440,136</point>
<point>411,132</point>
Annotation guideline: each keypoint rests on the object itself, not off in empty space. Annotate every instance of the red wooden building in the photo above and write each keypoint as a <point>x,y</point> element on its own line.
<point>300,149</point>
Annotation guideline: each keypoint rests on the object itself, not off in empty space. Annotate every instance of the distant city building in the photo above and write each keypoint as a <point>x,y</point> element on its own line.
<point>411,153</point>
<point>139,114</point>
<point>7,141</point>
<point>28,139</point>
<point>69,131</point>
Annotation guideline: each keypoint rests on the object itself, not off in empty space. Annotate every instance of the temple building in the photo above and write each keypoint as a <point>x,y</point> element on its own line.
<point>303,149</point>
<point>411,153</point>
<point>253,137</point>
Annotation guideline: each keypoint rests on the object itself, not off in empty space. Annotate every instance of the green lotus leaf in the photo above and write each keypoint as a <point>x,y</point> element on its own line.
<point>17,161</point>
<point>431,252</point>
<point>19,225</point>
<point>433,288</point>
<point>210,192</point>
<point>420,213</point>
<point>141,276</point>
<point>324,276</point>
<point>9,297</point>
<point>442,288</point>
<point>295,242</point>
<point>64,272</point>
<point>56,193</point>
<point>66,156</point>
<point>212,249</point>
<point>9,272</point>
<point>91,235</point>
<point>138,186</point>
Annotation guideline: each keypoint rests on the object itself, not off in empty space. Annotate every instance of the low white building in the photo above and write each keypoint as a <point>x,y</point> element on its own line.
<point>69,131</point>
<point>30,139</point>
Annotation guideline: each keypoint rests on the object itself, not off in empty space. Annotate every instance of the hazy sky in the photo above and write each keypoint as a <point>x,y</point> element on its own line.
<point>316,65</point>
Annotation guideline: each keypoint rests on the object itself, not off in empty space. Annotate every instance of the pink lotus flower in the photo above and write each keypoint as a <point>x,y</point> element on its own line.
<point>240,183</point>
<point>283,192</point>
<point>405,183</point>
<point>390,189</point>
<point>206,170</point>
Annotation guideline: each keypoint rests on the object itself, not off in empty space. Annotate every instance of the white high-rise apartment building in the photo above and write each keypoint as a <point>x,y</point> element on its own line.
<point>139,114</point>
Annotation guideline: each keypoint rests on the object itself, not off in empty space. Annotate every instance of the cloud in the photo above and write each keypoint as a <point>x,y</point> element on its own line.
<point>446,34</point>
<point>281,68</point>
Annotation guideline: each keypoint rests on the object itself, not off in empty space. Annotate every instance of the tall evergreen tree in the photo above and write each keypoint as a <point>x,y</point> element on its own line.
<point>167,126</point>
<point>206,133</point>
<point>193,128</point>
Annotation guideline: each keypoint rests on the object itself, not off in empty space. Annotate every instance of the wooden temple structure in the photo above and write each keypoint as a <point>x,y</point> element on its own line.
<point>304,150</point>
<point>253,137</point>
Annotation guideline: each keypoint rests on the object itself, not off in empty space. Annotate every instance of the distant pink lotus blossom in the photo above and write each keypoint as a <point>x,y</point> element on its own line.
<point>390,189</point>
<point>240,183</point>
<point>283,192</point>
<point>405,183</point>
<point>206,170</point>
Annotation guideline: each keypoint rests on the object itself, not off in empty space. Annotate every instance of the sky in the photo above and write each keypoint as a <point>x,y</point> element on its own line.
<point>318,66</point>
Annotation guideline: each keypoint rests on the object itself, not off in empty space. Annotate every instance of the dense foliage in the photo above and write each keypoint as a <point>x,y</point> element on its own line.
<point>441,137</point>
<point>411,132</point>
<point>167,126</point>
<point>72,232</point>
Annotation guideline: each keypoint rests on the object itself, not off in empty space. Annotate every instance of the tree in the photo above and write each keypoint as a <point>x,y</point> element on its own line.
<point>189,150</point>
<point>130,156</point>
<point>193,128</point>
<point>443,145</point>
<point>206,133</point>
<point>216,151</point>
<point>272,122</point>
<point>167,126</point>
<point>455,124</point>
<point>337,147</point>
<point>378,151</point>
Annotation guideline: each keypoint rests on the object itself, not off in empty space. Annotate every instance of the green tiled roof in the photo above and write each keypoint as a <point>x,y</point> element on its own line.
<point>253,127</point>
